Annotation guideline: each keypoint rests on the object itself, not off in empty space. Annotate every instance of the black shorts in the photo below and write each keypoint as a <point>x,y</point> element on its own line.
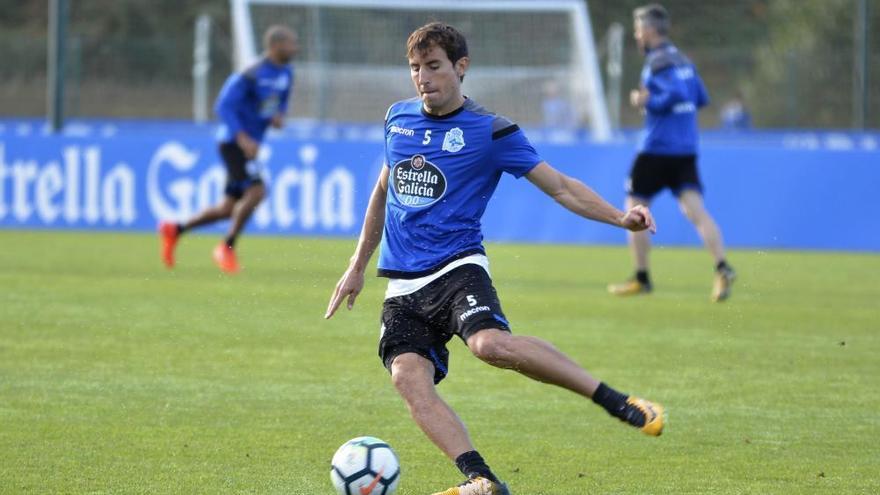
<point>241,173</point>
<point>651,174</point>
<point>461,302</point>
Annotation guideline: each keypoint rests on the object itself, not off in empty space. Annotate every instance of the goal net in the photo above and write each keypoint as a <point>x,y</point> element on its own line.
<point>352,62</point>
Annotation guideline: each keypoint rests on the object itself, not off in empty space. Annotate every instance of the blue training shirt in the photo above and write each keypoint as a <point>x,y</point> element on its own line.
<point>250,99</point>
<point>677,92</point>
<point>443,170</point>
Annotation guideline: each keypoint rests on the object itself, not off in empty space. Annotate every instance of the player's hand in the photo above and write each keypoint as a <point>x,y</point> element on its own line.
<point>350,285</point>
<point>277,121</point>
<point>247,145</point>
<point>638,97</point>
<point>638,218</point>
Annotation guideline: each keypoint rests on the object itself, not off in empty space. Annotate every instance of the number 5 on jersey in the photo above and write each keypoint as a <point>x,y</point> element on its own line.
<point>427,137</point>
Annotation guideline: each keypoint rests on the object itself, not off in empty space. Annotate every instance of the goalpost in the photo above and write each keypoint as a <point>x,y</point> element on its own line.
<point>352,61</point>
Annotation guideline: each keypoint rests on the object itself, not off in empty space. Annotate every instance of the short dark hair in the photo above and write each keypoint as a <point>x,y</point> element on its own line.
<point>276,34</point>
<point>653,15</point>
<point>440,34</point>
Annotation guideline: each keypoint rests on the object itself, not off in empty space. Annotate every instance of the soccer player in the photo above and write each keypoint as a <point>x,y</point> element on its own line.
<point>671,92</point>
<point>444,156</point>
<point>248,104</point>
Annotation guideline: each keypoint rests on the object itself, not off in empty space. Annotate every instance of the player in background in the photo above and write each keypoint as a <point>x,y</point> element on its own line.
<point>444,156</point>
<point>670,95</point>
<point>248,104</point>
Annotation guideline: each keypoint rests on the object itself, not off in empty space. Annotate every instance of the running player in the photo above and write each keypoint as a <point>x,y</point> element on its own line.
<point>444,156</point>
<point>671,93</point>
<point>248,104</point>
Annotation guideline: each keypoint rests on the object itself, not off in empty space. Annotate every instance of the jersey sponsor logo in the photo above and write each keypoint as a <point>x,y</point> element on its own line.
<point>395,129</point>
<point>453,141</point>
<point>684,73</point>
<point>279,83</point>
<point>684,107</point>
<point>418,182</point>
<point>479,309</point>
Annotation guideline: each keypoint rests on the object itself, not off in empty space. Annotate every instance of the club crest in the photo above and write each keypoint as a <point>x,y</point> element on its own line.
<point>454,140</point>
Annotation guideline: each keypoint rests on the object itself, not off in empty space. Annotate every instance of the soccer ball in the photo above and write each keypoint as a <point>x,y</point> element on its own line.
<point>365,466</point>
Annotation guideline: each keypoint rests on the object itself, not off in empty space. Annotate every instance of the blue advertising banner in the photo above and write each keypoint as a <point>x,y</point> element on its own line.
<point>131,182</point>
<point>783,192</point>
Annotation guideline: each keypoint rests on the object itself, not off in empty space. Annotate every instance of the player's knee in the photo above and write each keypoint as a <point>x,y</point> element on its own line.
<point>401,380</point>
<point>494,348</point>
<point>258,193</point>
<point>688,213</point>
<point>225,210</point>
<point>409,375</point>
<point>694,211</point>
<point>225,207</point>
<point>417,391</point>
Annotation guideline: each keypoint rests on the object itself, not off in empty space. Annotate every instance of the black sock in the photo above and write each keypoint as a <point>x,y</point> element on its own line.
<point>180,228</point>
<point>613,401</point>
<point>230,242</point>
<point>471,464</point>
<point>642,277</point>
<point>721,266</point>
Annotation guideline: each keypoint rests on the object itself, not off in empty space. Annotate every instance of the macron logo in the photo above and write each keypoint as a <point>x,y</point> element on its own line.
<point>400,130</point>
<point>467,314</point>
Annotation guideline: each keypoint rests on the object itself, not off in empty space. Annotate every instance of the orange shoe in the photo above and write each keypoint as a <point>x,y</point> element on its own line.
<point>224,257</point>
<point>723,281</point>
<point>631,287</point>
<point>168,235</point>
<point>477,486</point>
<point>645,415</point>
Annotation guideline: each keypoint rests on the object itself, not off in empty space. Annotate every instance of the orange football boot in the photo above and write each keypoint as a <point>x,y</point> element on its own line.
<point>224,257</point>
<point>168,236</point>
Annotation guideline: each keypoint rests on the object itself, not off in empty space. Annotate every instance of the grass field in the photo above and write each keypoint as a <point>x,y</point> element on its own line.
<point>117,376</point>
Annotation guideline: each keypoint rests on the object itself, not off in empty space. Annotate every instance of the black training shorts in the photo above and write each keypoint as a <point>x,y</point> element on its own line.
<point>651,174</point>
<point>461,302</point>
<point>241,173</point>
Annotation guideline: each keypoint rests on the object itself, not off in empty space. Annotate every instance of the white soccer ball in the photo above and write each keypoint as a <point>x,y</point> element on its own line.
<point>365,466</point>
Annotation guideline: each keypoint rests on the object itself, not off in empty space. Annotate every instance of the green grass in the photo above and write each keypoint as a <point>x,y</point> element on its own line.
<point>117,376</point>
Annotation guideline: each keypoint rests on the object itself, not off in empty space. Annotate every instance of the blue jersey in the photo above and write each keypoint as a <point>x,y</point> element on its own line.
<point>443,170</point>
<point>677,92</point>
<point>250,99</point>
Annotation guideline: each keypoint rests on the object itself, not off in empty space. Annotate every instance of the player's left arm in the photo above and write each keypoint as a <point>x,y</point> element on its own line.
<point>702,93</point>
<point>284,97</point>
<point>664,90</point>
<point>580,199</point>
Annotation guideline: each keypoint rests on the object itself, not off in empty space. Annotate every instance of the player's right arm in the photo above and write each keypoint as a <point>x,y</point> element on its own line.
<point>231,97</point>
<point>352,281</point>
<point>702,94</point>
<point>578,198</point>
<point>664,90</point>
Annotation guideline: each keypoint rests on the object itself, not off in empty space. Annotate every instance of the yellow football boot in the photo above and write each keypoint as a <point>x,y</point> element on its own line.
<point>721,286</point>
<point>653,414</point>
<point>631,287</point>
<point>477,486</point>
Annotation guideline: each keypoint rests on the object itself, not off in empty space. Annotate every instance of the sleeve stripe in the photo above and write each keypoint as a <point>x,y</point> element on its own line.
<point>504,132</point>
